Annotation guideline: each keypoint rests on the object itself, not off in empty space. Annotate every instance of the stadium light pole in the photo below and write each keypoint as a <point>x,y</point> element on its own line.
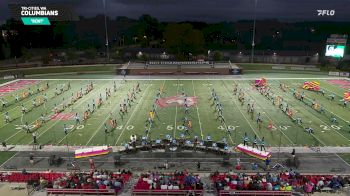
<point>253,36</point>
<point>106,30</point>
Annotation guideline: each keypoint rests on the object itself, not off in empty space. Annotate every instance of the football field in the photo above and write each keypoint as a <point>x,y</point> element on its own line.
<point>54,121</point>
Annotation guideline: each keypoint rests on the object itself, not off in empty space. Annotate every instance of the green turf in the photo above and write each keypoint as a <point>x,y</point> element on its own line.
<point>4,156</point>
<point>91,132</point>
<point>345,157</point>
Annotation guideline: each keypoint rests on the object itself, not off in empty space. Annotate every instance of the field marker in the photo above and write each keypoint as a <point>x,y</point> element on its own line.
<point>133,112</point>
<point>19,130</point>
<point>24,103</point>
<point>102,87</point>
<point>239,109</point>
<point>177,92</point>
<point>322,120</point>
<point>156,108</point>
<point>228,134</point>
<point>279,128</point>
<point>309,121</point>
<point>333,112</point>
<point>230,137</point>
<point>81,102</point>
<point>199,119</point>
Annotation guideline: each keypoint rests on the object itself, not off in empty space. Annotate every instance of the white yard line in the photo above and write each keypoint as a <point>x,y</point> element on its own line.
<point>175,127</point>
<point>156,108</point>
<point>309,113</point>
<point>322,120</point>
<point>103,122</point>
<point>318,139</point>
<point>228,134</point>
<point>199,119</point>
<point>21,129</point>
<point>81,102</point>
<point>347,121</point>
<point>9,82</point>
<point>9,159</point>
<point>342,159</point>
<point>24,103</point>
<point>239,109</point>
<point>329,125</point>
<point>278,127</point>
<point>132,114</point>
<point>13,135</point>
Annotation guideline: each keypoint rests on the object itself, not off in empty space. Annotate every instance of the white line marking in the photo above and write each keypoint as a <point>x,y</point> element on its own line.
<point>36,95</point>
<point>177,92</point>
<point>318,139</point>
<point>269,116</point>
<point>81,102</point>
<point>20,129</point>
<point>303,105</point>
<point>239,109</point>
<point>199,119</point>
<point>325,122</point>
<point>9,159</point>
<point>9,82</point>
<point>132,114</point>
<point>104,121</point>
<point>342,159</point>
<point>156,106</point>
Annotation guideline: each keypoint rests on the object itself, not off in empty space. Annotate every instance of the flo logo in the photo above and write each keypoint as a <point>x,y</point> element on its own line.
<point>178,100</point>
<point>325,12</point>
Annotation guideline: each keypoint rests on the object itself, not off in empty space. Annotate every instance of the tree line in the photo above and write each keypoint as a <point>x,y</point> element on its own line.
<point>179,38</point>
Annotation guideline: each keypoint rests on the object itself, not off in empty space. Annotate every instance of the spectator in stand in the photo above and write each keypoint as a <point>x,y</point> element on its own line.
<point>308,188</point>
<point>267,163</point>
<point>177,180</point>
<point>269,186</point>
<point>335,183</point>
<point>277,181</point>
<point>320,184</point>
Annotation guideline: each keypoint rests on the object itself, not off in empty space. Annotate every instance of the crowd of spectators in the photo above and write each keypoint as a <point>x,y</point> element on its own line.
<point>285,181</point>
<point>288,180</point>
<point>178,180</point>
<point>96,180</point>
<point>101,179</point>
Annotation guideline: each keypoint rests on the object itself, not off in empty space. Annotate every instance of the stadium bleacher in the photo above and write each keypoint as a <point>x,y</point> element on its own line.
<point>177,183</point>
<point>276,184</point>
<point>97,182</point>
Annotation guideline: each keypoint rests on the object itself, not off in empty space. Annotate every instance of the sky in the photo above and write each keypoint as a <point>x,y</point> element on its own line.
<point>202,10</point>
